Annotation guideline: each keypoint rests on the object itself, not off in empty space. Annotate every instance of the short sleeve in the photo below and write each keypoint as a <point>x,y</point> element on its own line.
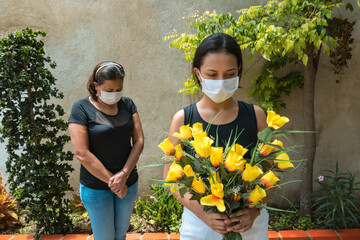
<point>78,114</point>
<point>129,104</point>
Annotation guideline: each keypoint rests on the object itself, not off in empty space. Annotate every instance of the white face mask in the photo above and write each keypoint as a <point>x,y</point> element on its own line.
<point>110,97</point>
<point>221,89</point>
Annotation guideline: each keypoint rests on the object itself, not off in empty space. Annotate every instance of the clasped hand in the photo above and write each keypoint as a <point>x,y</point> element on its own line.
<point>117,184</point>
<point>240,221</point>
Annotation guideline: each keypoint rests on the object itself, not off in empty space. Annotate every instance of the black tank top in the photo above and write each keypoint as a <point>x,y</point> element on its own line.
<point>245,123</point>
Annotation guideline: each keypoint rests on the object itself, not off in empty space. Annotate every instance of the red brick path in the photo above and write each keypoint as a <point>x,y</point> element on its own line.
<point>345,234</point>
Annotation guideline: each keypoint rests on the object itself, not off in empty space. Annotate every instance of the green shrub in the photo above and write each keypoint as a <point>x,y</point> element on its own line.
<point>78,212</point>
<point>162,211</point>
<point>34,132</point>
<point>335,200</point>
<point>292,221</point>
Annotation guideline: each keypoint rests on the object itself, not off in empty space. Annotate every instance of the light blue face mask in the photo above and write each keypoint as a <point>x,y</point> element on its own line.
<point>219,90</point>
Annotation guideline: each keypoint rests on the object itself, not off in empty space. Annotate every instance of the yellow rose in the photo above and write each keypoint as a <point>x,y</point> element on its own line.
<point>178,154</point>
<point>216,198</point>
<point>274,120</point>
<point>217,189</point>
<point>185,132</point>
<point>233,161</point>
<point>167,147</point>
<point>283,161</point>
<point>175,172</point>
<point>197,127</point>
<point>267,149</point>
<point>212,200</point>
<point>251,173</point>
<point>202,146</point>
<point>269,179</point>
<point>256,195</point>
<point>240,150</point>
<point>198,186</point>
<point>198,135</point>
<point>215,178</point>
<point>189,172</point>
<point>216,156</point>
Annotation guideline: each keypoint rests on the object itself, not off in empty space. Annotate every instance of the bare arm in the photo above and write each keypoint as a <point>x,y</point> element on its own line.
<point>213,220</point>
<point>138,144</point>
<point>80,143</point>
<point>260,118</point>
<point>118,181</point>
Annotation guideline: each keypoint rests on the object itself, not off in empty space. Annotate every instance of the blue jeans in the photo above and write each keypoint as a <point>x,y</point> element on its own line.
<point>109,214</point>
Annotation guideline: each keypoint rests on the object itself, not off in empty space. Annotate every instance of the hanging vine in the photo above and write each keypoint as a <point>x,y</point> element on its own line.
<point>340,29</point>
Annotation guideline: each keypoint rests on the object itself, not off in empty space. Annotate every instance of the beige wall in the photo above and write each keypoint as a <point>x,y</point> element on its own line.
<point>84,32</point>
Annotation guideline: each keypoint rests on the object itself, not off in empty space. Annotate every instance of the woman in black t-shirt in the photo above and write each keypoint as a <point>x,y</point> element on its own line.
<point>107,139</point>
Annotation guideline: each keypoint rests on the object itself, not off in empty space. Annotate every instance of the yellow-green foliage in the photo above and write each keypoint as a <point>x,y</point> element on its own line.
<point>8,209</point>
<point>77,208</point>
<point>277,28</point>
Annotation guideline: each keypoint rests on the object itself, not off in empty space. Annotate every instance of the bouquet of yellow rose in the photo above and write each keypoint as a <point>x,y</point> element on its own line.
<point>219,178</point>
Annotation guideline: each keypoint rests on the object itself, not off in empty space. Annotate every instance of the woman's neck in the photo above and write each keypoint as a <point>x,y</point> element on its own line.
<point>106,108</point>
<point>206,102</point>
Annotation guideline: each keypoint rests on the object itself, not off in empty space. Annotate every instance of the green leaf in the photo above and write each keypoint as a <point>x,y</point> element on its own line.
<point>266,55</point>
<point>185,161</point>
<point>288,45</point>
<point>349,7</point>
<point>234,205</point>
<point>328,14</point>
<point>323,32</point>
<point>302,43</point>
<point>232,236</point>
<point>318,43</point>
<point>265,135</point>
<point>300,55</point>
<point>305,59</point>
<point>333,42</point>
<point>183,191</point>
<point>196,197</point>
<point>13,214</point>
<point>259,44</point>
<point>188,181</point>
<point>326,48</point>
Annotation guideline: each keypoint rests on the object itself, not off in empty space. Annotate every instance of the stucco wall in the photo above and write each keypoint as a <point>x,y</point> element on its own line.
<point>84,32</point>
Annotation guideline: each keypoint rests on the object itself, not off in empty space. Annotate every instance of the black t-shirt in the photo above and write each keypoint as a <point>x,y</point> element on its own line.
<point>245,123</point>
<point>110,138</point>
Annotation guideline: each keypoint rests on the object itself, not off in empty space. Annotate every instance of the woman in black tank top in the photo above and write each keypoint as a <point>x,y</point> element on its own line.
<point>218,65</point>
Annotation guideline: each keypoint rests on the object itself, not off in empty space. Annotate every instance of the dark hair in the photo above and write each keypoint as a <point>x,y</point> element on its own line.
<point>214,43</point>
<point>108,70</point>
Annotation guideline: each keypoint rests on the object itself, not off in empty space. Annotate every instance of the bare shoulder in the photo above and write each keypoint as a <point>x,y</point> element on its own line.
<point>178,117</point>
<point>260,117</point>
<point>258,110</point>
<point>176,122</point>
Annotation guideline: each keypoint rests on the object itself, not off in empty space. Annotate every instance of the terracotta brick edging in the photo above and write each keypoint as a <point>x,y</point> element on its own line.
<point>321,234</point>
